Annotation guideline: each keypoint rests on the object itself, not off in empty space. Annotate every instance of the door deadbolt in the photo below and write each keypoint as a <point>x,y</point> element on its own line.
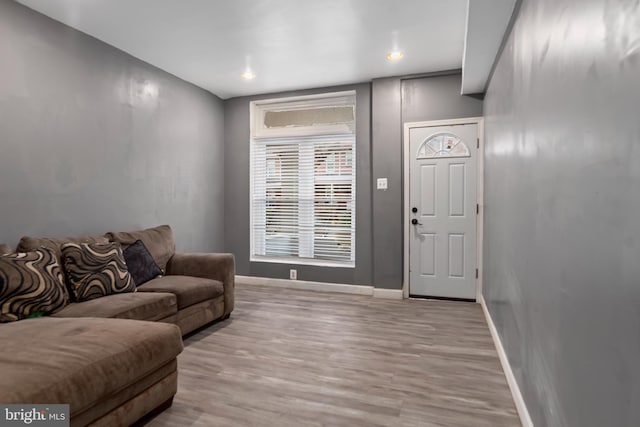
<point>414,210</point>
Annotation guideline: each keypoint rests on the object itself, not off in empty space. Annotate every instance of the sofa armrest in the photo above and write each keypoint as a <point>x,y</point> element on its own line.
<point>221,267</point>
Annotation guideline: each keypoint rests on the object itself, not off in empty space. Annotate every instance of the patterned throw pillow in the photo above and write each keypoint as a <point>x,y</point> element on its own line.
<point>31,284</point>
<point>140,263</point>
<point>95,270</point>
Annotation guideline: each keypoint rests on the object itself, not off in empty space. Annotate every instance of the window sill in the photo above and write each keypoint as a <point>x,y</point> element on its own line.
<point>302,261</point>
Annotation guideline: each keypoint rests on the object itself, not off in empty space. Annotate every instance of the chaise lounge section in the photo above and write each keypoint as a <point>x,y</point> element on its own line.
<point>112,372</point>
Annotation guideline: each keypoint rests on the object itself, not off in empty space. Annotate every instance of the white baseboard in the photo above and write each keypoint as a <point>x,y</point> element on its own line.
<point>387,293</point>
<point>521,406</point>
<point>322,287</point>
<point>307,285</point>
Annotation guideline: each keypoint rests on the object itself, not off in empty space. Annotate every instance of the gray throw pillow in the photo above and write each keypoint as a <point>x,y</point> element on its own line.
<point>140,263</point>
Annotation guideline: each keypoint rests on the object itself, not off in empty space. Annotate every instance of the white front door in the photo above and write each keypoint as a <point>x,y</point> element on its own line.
<point>442,211</point>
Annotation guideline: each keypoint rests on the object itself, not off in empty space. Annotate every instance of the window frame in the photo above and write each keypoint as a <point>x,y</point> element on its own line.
<point>342,131</point>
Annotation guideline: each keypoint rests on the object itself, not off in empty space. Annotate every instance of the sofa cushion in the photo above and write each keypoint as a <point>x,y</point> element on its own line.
<point>96,270</point>
<point>5,249</point>
<point>28,244</point>
<point>189,290</point>
<point>136,306</point>
<point>31,284</point>
<point>80,362</point>
<point>158,240</point>
<point>140,263</point>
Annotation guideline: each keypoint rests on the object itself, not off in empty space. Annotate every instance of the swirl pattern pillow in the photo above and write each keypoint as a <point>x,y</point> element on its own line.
<point>96,270</point>
<point>31,284</point>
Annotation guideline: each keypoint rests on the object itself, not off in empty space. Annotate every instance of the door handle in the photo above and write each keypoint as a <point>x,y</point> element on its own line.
<point>415,222</point>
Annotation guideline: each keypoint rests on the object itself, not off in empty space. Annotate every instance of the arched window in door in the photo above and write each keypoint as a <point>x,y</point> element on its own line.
<point>442,145</point>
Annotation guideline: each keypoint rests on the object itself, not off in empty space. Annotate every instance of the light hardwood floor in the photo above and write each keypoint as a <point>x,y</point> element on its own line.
<point>301,358</point>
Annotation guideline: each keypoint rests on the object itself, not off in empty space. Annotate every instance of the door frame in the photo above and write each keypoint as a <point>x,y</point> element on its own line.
<point>479,121</point>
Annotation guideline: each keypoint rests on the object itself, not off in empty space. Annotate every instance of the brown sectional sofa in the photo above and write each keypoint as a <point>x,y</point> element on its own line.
<point>113,359</point>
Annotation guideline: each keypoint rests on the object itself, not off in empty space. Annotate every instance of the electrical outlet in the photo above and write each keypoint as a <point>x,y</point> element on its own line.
<point>293,274</point>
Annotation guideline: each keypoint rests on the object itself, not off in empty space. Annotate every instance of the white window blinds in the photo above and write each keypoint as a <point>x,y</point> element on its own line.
<point>303,197</point>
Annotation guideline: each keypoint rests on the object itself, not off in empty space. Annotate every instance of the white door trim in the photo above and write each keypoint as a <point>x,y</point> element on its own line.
<point>479,121</point>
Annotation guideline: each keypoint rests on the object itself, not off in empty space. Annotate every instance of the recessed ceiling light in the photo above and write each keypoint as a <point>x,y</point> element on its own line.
<point>248,75</point>
<point>395,55</point>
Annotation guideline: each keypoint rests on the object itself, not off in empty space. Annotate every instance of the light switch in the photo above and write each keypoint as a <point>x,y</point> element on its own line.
<point>382,184</point>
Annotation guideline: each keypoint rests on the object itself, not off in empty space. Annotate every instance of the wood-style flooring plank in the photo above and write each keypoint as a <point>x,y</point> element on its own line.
<point>299,358</point>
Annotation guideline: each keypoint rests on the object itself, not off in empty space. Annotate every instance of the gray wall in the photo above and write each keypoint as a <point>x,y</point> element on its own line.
<point>92,139</point>
<point>395,102</point>
<point>236,204</point>
<point>382,108</point>
<point>386,118</point>
<point>562,237</point>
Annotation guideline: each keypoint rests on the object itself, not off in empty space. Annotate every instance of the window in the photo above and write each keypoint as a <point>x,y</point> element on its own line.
<point>443,144</point>
<point>303,180</point>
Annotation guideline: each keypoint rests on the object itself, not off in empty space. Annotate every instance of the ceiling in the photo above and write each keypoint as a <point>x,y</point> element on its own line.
<point>288,44</point>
